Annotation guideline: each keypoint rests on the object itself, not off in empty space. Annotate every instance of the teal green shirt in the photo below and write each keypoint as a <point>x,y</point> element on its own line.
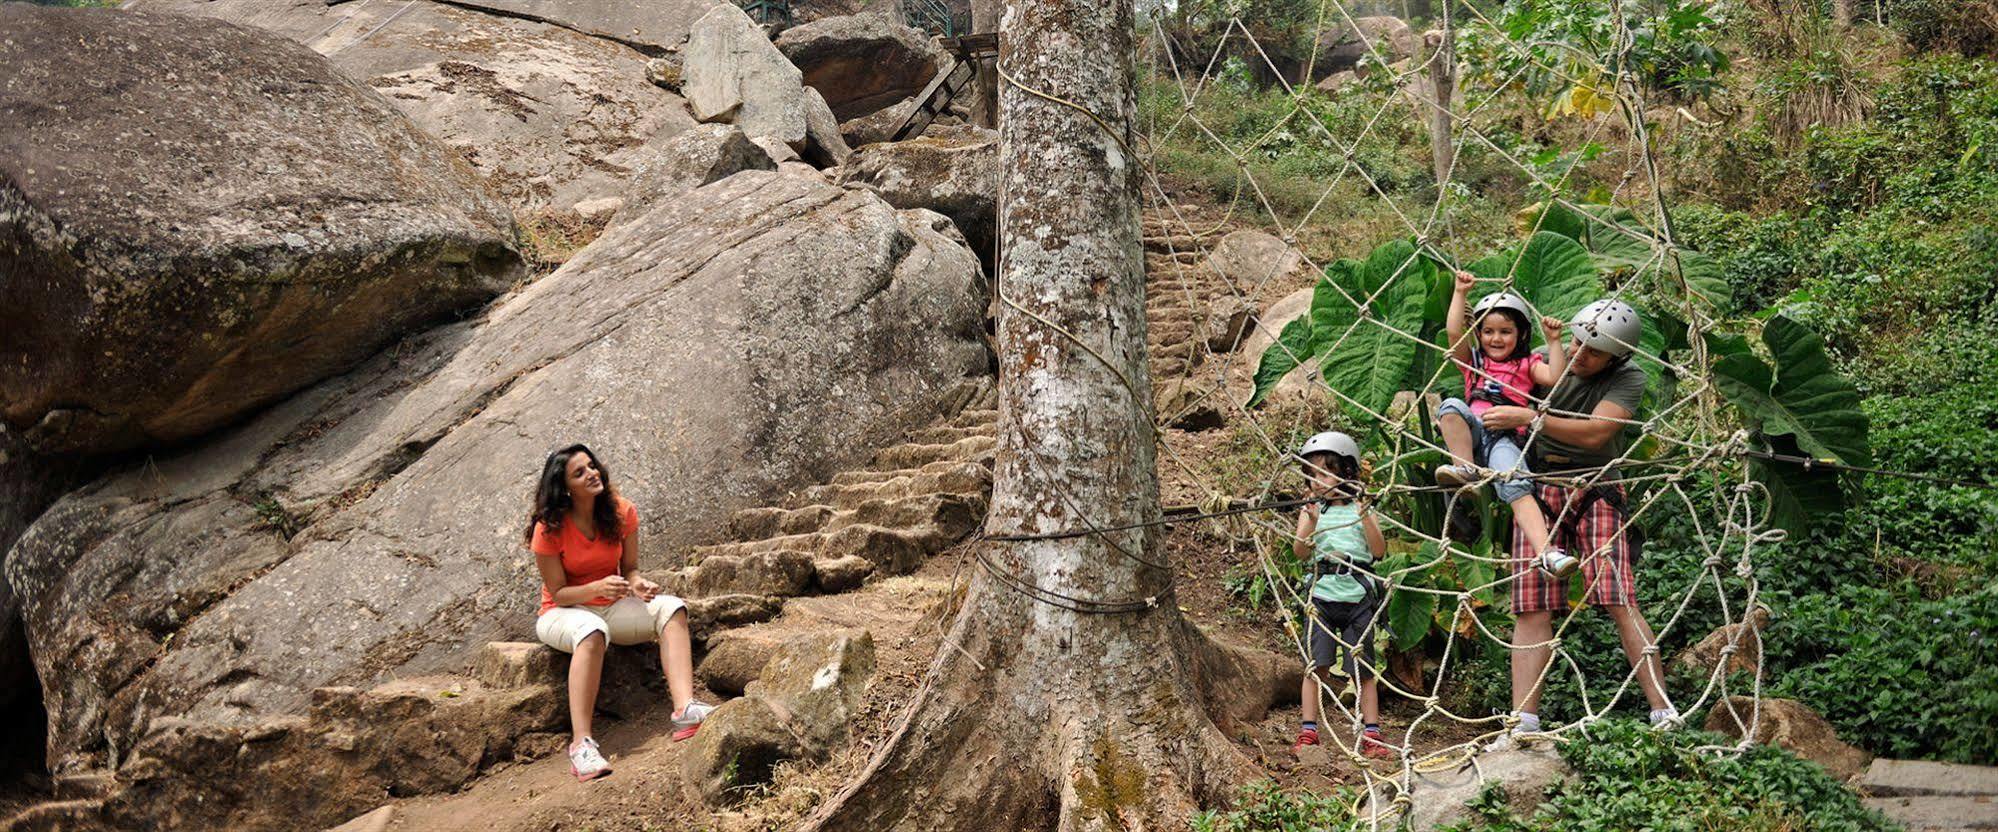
<point>1340,538</point>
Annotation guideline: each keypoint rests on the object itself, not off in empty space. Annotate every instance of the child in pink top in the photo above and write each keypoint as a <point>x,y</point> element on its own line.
<point>1500,369</point>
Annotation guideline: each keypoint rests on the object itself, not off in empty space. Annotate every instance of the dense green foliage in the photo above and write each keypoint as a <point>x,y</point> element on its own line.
<point>1629,777</point>
<point>1843,188</point>
<point>1266,807</point>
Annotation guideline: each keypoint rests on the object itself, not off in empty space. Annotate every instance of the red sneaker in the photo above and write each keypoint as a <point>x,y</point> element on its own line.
<point>1308,736</point>
<point>1373,746</point>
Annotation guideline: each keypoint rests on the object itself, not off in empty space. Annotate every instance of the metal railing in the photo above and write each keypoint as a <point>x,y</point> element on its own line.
<point>935,17</point>
<point>775,14</point>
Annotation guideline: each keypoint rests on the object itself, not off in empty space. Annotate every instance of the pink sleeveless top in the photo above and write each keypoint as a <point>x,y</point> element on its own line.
<point>1515,380</point>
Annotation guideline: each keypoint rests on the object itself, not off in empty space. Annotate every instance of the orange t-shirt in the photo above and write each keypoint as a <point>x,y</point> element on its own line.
<point>584,560</point>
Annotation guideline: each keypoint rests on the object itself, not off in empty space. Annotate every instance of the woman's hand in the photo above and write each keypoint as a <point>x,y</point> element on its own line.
<point>1507,417</point>
<point>644,589</point>
<point>613,587</point>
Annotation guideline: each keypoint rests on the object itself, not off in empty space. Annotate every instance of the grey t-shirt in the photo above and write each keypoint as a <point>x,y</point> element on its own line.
<point>1623,385</point>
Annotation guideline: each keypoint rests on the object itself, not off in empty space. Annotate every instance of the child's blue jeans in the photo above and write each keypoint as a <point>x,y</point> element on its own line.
<point>1497,451</point>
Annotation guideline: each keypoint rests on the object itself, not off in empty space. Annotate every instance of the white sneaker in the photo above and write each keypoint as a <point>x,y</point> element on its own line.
<point>586,762</point>
<point>1558,563</point>
<point>689,720</point>
<point>1461,476</point>
<point>1667,719</point>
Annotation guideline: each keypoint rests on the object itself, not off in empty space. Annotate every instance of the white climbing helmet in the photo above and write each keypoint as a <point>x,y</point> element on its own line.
<point>1502,300</point>
<point>1330,441</point>
<point>1609,326</point>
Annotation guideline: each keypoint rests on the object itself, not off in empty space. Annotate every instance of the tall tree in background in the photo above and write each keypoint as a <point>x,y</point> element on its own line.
<point>1065,695</point>
<point>1442,44</point>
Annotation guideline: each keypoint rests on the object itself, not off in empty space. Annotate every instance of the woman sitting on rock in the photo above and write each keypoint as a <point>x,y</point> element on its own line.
<point>585,541</point>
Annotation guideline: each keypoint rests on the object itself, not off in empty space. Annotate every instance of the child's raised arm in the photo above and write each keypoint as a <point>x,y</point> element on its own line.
<point>1549,374</point>
<point>1457,321</point>
<point>1307,525</point>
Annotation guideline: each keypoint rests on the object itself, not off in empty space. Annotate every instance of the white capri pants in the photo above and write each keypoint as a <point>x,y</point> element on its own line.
<point>626,621</point>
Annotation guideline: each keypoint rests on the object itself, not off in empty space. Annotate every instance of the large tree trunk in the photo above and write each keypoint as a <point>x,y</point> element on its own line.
<point>1065,694</point>
<point>1443,83</point>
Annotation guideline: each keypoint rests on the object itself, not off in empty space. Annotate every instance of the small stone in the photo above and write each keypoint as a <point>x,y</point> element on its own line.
<point>596,210</point>
<point>665,72</point>
<point>339,741</point>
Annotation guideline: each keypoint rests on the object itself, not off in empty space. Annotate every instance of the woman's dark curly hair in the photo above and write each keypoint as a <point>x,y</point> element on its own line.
<point>552,501</point>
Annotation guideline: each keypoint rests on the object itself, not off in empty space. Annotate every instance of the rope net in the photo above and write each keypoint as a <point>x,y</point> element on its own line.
<point>1679,445</point>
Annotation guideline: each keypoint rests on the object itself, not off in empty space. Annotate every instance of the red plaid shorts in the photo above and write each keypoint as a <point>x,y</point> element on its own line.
<point>1590,535</point>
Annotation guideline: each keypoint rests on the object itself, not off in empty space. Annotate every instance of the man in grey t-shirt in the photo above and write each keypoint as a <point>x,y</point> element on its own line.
<point>1588,416</point>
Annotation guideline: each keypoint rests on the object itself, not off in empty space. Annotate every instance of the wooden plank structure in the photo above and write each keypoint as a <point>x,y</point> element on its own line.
<point>951,83</point>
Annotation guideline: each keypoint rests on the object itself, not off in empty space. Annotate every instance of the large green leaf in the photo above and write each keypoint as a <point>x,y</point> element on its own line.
<point>1802,397</point>
<point>1364,357</point>
<point>1409,615</point>
<point>1554,273</point>
<point>1797,497</point>
<point>1292,347</point>
<point>1669,271</point>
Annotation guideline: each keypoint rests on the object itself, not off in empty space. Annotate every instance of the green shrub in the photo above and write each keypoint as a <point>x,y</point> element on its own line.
<point>1899,678</point>
<point>1629,777</point>
<point>1264,806</point>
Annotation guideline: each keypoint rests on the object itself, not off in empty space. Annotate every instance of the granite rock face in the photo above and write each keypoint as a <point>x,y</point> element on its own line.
<point>744,339</point>
<point>196,221</point>
<point>548,100</point>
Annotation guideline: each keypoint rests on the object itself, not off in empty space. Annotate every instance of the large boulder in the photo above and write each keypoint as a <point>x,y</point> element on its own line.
<point>1381,39</point>
<point>1249,259</point>
<point>29,482</point>
<point>702,154</point>
<point>1302,381</point>
<point>1791,725</point>
<point>798,708</point>
<point>746,339</point>
<point>862,63</point>
<point>734,75</point>
<point>350,749</point>
<point>879,126</point>
<point>1440,799</point>
<point>953,171</point>
<point>198,220</point>
<point>547,99</point>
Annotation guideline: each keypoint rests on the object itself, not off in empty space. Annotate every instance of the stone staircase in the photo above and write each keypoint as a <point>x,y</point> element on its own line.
<point>1174,286</point>
<point>1192,314</point>
<point>915,499</point>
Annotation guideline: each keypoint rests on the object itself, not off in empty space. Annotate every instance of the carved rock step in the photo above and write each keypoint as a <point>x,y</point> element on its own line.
<point>726,591</point>
<point>788,568</point>
<point>953,513</point>
<point>946,433</point>
<point>857,477</point>
<point>964,479</point>
<point>911,456</point>
<point>773,521</point>
<point>1169,243</point>
<point>974,418</point>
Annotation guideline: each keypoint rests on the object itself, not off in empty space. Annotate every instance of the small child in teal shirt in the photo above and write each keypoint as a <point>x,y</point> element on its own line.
<point>1341,541</point>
